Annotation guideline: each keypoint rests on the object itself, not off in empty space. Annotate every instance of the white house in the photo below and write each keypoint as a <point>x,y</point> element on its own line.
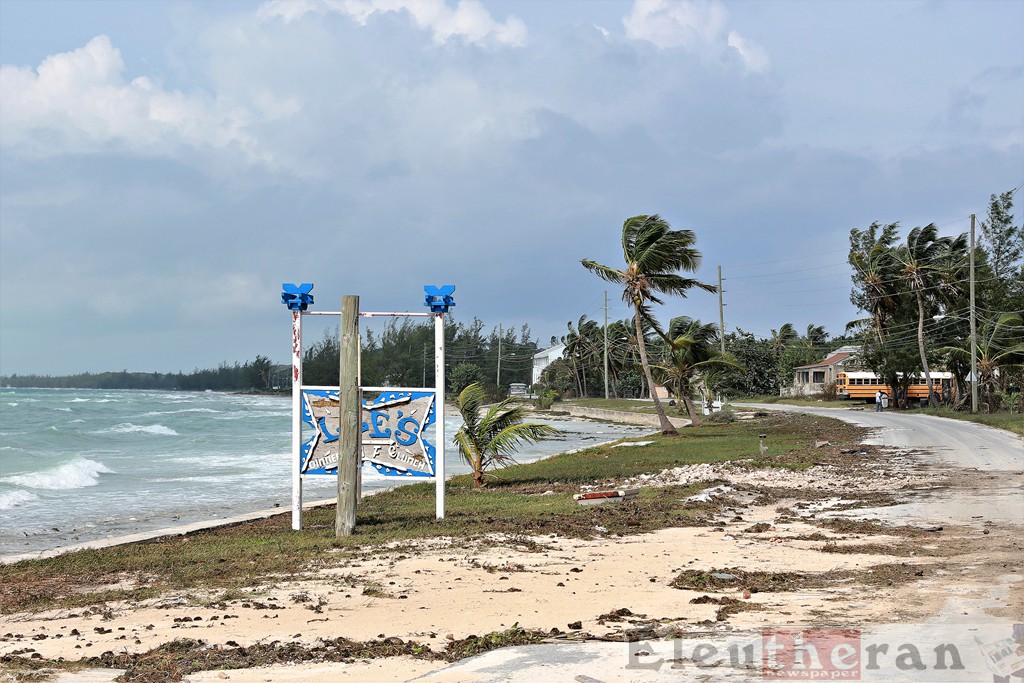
<point>542,359</point>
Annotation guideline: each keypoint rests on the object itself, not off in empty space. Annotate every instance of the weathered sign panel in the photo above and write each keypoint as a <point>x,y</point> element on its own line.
<point>394,430</point>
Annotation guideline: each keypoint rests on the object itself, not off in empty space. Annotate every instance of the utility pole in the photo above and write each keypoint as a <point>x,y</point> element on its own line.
<point>424,366</point>
<point>498,380</point>
<point>349,445</point>
<point>606,344</point>
<point>974,333</point>
<point>721,312</point>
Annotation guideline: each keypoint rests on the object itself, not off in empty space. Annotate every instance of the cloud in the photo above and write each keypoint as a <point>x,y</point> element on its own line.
<point>81,102</point>
<point>673,24</point>
<point>699,26</point>
<point>755,57</point>
<point>988,107</point>
<point>469,20</point>
<point>373,147</point>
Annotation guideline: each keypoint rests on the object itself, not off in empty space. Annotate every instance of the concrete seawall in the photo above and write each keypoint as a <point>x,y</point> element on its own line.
<point>620,416</point>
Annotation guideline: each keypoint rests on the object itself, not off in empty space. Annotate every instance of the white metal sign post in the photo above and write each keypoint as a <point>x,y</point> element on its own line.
<point>394,421</point>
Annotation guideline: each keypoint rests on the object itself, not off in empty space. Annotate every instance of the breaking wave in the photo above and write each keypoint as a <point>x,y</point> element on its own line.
<point>76,474</point>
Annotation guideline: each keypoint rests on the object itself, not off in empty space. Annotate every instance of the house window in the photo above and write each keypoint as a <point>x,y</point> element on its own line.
<point>819,377</point>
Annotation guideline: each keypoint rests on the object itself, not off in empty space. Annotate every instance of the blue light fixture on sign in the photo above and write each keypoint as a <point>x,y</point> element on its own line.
<point>297,297</point>
<point>439,299</point>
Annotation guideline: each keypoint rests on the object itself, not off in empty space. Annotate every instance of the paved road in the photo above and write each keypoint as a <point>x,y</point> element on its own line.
<point>953,442</point>
<point>953,445</point>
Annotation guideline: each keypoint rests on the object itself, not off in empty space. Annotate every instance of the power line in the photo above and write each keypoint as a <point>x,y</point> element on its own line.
<point>786,260</point>
<point>787,272</point>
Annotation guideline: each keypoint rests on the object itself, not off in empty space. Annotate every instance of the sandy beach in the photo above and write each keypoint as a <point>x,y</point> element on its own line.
<point>774,565</point>
<point>437,591</point>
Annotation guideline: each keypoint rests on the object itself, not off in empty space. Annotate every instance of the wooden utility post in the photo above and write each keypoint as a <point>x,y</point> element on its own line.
<point>721,312</point>
<point>497,380</point>
<point>606,344</point>
<point>349,415</point>
<point>974,333</point>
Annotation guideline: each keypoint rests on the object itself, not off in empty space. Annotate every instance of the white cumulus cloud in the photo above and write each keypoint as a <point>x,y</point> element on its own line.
<point>673,24</point>
<point>696,25</point>
<point>81,102</point>
<point>468,20</point>
<point>754,56</point>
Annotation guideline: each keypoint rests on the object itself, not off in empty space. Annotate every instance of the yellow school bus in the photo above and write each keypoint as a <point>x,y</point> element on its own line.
<point>864,385</point>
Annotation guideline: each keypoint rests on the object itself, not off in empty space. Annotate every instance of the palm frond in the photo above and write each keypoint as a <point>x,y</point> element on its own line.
<point>604,272</point>
<point>506,442</point>
<point>676,285</point>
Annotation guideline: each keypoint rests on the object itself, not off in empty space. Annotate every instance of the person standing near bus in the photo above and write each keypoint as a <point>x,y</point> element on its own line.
<point>878,401</point>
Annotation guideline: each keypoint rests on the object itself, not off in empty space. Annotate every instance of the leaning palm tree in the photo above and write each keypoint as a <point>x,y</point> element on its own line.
<point>693,351</point>
<point>489,437</point>
<point>581,348</point>
<point>621,352</point>
<point>926,261</point>
<point>654,254</point>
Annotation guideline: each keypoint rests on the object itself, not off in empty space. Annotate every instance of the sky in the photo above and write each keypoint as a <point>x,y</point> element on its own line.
<point>166,165</point>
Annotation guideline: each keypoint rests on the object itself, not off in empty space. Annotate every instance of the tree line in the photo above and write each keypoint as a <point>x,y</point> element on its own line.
<point>258,374</point>
<point>759,366</point>
<point>402,355</point>
<point>914,291</point>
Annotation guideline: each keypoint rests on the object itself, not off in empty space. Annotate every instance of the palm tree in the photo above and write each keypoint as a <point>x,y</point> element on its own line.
<point>654,253</point>
<point>1000,348</point>
<point>926,262</point>
<point>694,350</point>
<point>876,274</point>
<point>488,439</point>
<point>816,336</point>
<point>619,333</point>
<point>581,347</point>
<point>783,338</point>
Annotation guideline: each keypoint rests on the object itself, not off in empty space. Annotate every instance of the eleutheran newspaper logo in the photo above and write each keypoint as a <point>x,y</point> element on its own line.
<point>933,652</point>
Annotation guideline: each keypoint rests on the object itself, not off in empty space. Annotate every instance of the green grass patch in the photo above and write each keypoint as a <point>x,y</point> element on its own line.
<point>711,443</point>
<point>1013,422</point>
<point>226,563</point>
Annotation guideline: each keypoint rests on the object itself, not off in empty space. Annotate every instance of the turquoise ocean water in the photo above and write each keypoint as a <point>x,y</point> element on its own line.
<point>81,465</point>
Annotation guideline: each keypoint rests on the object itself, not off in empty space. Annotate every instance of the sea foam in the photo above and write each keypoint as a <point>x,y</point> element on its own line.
<point>76,474</point>
<point>155,413</point>
<point>12,499</point>
<point>129,428</point>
